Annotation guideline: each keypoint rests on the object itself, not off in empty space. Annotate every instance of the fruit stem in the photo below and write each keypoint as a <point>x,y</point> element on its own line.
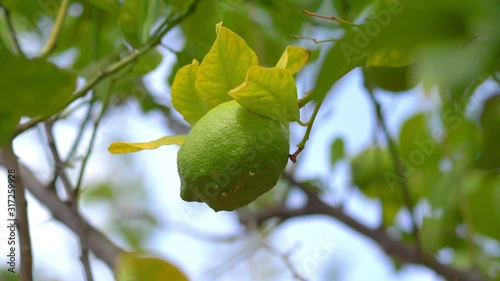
<point>305,99</point>
<point>302,143</point>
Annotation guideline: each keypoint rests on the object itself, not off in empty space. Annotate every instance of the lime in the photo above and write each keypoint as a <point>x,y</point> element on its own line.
<point>231,157</point>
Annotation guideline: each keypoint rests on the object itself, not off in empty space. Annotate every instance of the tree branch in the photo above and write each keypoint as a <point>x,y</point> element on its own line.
<point>22,221</point>
<point>100,245</point>
<point>315,206</point>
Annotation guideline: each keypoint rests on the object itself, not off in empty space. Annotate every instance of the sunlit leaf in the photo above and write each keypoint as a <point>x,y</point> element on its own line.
<point>132,267</point>
<point>293,58</point>
<point>270,92</point>
<point>128,147</point>
<point>224,67</point>
<point>185,97</point>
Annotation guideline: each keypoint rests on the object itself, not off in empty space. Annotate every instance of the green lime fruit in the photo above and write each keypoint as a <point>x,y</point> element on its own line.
<point>231,157</point>
<point>394,79</point>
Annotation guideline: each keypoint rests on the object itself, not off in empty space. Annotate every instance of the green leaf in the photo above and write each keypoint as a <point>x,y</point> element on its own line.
<point>179,6</point>
<point>224,67</point>
<point>482,201</point>
<point>370,166</point>
<point>337,150</point>
<point>132,18</point>
<point>489,157</point>
<point>31,11</point>
<point>100,192</point>
<point>439,231</point>
<point>147,62</point>
<point>343,57</point>
<point>439,64</point>
<point>30,88</point>
<point>110,6</point>
<point>128,147</point>
<point>8,124</point>
<point>419,150</point>
<point>185,98</point>
<point>394,57</point>
<point>132,267</point>
<point>373,171</point>
<point>392,79</point>
<point>270,92</point>
<point>293,58</point>
<point>350,9</point>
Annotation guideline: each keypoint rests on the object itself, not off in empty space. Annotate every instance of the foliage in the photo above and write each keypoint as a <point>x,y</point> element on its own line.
<point>439,169</point>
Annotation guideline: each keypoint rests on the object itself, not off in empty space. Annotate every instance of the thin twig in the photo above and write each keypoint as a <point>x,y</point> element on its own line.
<point>302,143</point>
<point>285,257</point>
<point>12,31</point>
<point>54,34</point>
<point>22,220</point>
<point>408,201</point>
<point>59,165</point>
<point>332,18</point>
<point>76,191</point>
<point>104,107</point>
<point>60,171</point>
<point>315,40</point>
<point>81,131</point>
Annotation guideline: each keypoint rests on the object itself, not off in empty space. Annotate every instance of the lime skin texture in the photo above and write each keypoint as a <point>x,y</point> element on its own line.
<point>231,157</point>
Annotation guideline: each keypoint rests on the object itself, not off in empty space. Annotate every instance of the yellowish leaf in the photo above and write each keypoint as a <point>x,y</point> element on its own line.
<point>269,92</point>
<point>132,267</point>
<point>185,98</point>
<point>224,67</point>
<point>128,147</point>
<point>294,58</point>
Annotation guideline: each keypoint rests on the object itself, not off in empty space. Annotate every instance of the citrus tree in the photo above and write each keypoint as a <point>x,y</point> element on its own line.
<point>241,88</point>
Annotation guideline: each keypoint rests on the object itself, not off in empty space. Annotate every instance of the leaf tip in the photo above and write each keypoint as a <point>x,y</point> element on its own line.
<point>218,28</point>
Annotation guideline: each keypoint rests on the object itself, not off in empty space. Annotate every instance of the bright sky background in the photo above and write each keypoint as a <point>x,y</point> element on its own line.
<point>346,113</point>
